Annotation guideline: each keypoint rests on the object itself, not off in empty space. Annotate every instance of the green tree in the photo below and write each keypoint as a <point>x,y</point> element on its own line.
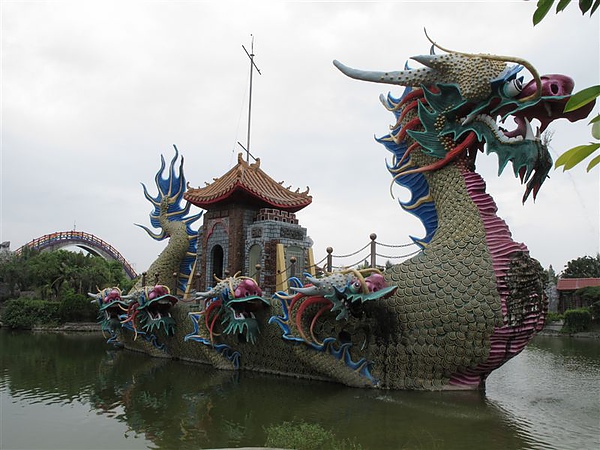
<point>584,267</point>
<point>589,294</point>
<point>76,308</point>
<point>9,272</point>
<point>575,155</point>
<point>551,276</point>
<point>52,273</point>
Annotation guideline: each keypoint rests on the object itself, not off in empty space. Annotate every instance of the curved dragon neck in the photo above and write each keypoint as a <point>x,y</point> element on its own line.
<point>169,260</point>
<point>468,214</point>
<point>469,225</point>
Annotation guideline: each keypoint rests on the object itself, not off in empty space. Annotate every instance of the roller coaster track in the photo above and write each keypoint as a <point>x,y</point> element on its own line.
<point>81,239</point>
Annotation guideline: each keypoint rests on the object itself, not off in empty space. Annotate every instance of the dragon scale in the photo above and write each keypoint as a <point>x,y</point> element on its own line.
<point>451,302</point>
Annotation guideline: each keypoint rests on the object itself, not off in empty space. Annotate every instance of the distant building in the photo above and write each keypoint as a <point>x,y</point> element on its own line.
<point>567,287</point>
<point>250,226</point>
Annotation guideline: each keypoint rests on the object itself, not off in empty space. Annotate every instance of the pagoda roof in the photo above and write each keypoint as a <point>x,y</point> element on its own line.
<point>247,182</point>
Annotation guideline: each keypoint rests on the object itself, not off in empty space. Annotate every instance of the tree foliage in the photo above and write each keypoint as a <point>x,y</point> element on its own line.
<point>544,6</point>
<point>25,313</point>
<point>551,276</point>
<point>60,280</point>
<point>577,320</point>
<point>576,155</point>
<point>589,294</point>
<point>584,267</point>
<point>52,273</point>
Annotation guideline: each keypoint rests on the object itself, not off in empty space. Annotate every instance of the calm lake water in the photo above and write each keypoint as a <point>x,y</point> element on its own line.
<point>75,392</point>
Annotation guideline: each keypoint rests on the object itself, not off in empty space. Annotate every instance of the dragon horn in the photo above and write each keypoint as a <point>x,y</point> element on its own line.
<point>399,77</point>
<point>310,290</point>
<point>207,294</point>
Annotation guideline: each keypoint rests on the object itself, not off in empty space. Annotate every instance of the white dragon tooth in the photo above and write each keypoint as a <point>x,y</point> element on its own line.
<point>529,132</point>
<point>467,120</point>
<point>548,109</point>
<point>538,134</point>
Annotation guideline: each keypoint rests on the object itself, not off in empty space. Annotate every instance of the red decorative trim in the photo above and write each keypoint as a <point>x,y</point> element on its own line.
<point>507,341</point>
<point>214,225</point>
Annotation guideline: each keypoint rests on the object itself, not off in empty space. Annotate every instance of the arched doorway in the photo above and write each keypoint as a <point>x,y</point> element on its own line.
<point>254,259</point>
<point>217,261</point>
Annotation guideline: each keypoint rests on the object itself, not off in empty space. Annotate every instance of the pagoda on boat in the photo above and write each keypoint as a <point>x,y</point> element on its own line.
<point>250,226</point>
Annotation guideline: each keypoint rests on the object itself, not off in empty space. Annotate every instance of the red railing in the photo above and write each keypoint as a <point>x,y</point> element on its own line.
<point>72,237</point>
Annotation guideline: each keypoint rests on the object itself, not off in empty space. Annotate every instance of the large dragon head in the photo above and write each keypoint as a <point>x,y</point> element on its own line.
<point>231,306</point>
<point>454,109</point>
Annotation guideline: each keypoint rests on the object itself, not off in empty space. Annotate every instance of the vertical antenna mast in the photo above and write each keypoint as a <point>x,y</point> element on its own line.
<point>252,67</point>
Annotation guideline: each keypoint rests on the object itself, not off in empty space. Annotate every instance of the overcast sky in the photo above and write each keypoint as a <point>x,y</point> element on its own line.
<point>93,92</point>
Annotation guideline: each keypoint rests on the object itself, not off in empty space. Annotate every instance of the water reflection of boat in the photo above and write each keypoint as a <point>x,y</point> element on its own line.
<point>529,402</point>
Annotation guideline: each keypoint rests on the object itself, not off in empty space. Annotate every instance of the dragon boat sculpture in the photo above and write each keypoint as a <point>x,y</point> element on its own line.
<point>469,301</point>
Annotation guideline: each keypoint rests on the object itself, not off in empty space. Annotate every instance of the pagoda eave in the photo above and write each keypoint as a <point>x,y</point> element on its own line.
<point>243,195</point>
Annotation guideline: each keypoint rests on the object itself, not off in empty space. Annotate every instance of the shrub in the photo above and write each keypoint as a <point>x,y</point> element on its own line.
<point>305,436</point>
<point>553,317</point>
<point>577,320</point>
<point>25,313</point>
<point>76,308</point>
<point>595,310</point>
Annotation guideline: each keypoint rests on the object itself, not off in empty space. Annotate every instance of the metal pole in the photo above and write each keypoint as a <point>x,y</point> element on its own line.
<point>257,273</point>
<point>252,67</point>
<point>373,236</point>
<point>329,258</point>
<point>175,283</point>
<point>250,103</point>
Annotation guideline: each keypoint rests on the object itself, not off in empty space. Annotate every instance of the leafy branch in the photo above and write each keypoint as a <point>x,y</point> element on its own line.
<point>544,6</point>
<point>575,155</point>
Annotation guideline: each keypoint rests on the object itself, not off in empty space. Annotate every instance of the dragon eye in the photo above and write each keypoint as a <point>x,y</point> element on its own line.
<point>355,287</point>
<point>513,87</point>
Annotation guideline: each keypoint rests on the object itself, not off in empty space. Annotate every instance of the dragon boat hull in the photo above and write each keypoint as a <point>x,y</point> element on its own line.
<point>469,301</point>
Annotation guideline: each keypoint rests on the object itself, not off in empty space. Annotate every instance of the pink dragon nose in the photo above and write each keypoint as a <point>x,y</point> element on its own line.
<point>553,85</point>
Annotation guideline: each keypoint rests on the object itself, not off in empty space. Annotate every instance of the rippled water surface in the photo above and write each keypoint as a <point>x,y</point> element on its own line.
<point>74,391</point>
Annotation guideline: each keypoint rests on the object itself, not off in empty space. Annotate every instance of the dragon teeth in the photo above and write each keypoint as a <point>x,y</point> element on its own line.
<point>491,123</point>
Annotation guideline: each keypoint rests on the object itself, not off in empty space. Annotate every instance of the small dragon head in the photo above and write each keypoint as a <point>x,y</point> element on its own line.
<point>234,300</point>
<point>152,304</point>
<point>111,306</point>
<point>348,290</point>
